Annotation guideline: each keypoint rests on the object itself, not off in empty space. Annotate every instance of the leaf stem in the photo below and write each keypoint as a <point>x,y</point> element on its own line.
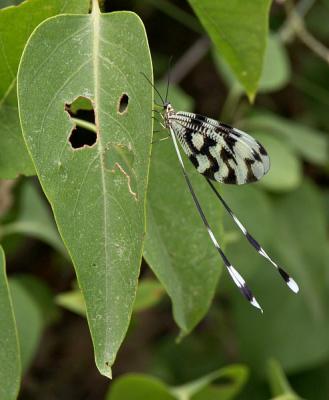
<point>85,124</point>
<point>189,60</point>
<point>95,7</point>
<point>231,103</point>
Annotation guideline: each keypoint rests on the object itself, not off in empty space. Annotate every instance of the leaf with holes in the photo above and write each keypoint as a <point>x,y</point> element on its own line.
<point>239,30</point>
<point>16,25</point>
<point>10,368</point>
<point>96,181</point>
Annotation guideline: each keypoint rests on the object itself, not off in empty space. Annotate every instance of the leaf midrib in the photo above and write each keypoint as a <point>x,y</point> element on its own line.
<point>100,147</point>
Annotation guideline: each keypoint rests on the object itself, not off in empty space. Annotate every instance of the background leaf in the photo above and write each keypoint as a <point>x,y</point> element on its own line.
<point>97,193</point>
<point>286,170</point>
<point>222,384</point>
<point>139,387</point>
<point>149,293</point>
<point>243,48</point>
<point>29,321</point>
<point>34,219</point>
<point>10,368</point>
<point>309,143</point>
<point>16,25</point>
<point>289,322</point>
<point>280,386</point>
<point>275,71</point>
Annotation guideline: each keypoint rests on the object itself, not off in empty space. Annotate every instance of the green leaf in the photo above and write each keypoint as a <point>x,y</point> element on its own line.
<point>310,143</point>
<point>10,367</point>
<point>29,319</point>
<point>239,31</point>
<point>280,386</point>
<point>42,296</point>
<point>276,68</point>
<point>97,192</point>
<point>286,170</point>
<point>222,384</point>
<point>177,246</point>
<point>73,301</point>
<point>16,25</point>
<point>290,322</point>
<point>34,219</point>
<point>139,387</point>
<point>149,293</point>
<point>34,310</point>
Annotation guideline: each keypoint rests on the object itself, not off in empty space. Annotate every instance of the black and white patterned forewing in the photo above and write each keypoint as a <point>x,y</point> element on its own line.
<point>218,151</point>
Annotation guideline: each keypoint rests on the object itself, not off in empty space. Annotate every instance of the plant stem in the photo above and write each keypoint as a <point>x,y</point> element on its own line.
<point>296,23</point>
<point>85,124</point>
<point>189,59</point>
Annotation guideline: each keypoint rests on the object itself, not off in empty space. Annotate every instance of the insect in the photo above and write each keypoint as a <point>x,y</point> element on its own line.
<point>227,155</point>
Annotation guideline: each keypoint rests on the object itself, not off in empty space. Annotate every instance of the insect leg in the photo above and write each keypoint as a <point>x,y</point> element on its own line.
<point>289,281</point>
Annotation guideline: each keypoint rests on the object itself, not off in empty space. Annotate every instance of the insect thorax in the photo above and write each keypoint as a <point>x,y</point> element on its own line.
<point>168,112</point>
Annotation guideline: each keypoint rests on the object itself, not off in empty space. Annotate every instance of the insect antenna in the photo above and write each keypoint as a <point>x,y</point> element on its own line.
<point>289,281</point>
<point>168,78</point>
<point>149,81</point>
<point>236,277</point>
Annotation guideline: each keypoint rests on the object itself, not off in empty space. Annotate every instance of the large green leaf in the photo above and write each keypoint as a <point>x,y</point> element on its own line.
<point>10,368</point>
<point>16,25</point>
<point>177,246</point>
<point>97,192</point>
<point>239,30</point>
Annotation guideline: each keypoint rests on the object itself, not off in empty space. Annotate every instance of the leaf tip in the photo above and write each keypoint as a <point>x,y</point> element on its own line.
<point>105,369</point>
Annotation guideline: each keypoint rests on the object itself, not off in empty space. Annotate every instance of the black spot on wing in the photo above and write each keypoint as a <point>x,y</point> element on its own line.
<point>256,155</point>
<point>210,172</point>
<point>231,177</point>
<point>250,175</point>
<point>208,142</point>
<point>188,135</point>
<point>226,156</point>
<point>194,160</point>
<point>230,141</point>
<point>262,151</point>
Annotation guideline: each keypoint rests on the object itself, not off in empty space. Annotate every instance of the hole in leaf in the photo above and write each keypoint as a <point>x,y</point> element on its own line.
<point>82,110</point>
<point>123,103</point>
